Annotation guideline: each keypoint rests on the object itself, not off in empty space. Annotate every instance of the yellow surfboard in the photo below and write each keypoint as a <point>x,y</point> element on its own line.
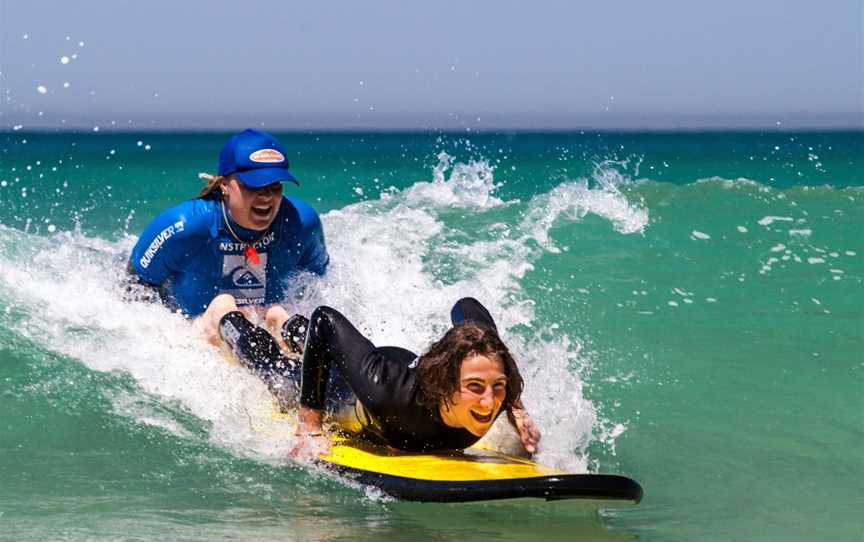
<point>472,475</point>
<point>476,474</point>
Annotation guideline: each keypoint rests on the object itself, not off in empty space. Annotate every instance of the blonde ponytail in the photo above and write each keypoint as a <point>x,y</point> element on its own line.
<point>214,185</point>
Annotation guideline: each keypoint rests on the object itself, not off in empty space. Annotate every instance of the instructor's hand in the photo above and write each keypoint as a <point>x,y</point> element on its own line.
<point>528,431</point>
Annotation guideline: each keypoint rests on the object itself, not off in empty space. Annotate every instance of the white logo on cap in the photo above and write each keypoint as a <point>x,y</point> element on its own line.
<point>267,156</point>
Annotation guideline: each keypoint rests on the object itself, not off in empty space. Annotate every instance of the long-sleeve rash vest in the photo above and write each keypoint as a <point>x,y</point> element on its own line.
<point>190,253</point>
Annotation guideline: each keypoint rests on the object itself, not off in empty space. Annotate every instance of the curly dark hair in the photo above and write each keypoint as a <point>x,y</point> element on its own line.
<point>439,369</point>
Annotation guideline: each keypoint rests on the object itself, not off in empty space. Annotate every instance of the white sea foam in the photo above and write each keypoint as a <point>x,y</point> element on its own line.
<point>768,220</point>
<point>131,406</point>
<point>740,182</point>
<point>468,186</point>
<point>84,317</point>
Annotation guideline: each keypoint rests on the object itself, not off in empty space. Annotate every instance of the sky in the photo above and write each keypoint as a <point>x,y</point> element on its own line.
<point>442,65</point>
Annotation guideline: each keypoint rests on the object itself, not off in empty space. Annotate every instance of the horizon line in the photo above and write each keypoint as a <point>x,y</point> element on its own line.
<point>432,123</point>
<point>119,130</point>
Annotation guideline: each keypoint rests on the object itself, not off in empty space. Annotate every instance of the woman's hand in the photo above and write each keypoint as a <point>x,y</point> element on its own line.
<point>311,441</point>
<point>309,447</point>
<point>528,431</point>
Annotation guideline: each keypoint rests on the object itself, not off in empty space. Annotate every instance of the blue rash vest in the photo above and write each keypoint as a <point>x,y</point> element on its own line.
<point>189,251</point>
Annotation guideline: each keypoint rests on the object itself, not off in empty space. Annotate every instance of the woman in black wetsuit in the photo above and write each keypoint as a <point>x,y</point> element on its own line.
<point>446,399</point>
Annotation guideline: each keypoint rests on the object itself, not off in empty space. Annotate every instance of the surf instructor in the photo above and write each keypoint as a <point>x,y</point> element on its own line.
<point>240,236</point>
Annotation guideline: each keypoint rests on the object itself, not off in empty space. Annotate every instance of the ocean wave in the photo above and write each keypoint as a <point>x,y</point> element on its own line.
<point>746,183</point>
<point>67,292</point>
<point>574,200</point>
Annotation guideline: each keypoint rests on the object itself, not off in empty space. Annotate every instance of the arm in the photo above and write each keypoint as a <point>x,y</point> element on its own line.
<point>170,243</point>
<point>310,430</point>
<point>331,340</point>
<point>151,256</point>
<point>310,422</point>
<point>148,268</point>
<point>314,257</point>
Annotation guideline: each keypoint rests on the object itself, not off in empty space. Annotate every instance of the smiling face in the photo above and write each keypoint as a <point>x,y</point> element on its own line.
<point>252,208</point>
<point>481,393</point>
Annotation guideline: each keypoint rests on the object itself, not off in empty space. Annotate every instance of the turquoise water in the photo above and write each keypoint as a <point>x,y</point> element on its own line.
<point>687,308</point>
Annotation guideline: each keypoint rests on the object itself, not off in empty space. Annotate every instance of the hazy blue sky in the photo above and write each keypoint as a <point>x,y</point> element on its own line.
<point>441,65</point>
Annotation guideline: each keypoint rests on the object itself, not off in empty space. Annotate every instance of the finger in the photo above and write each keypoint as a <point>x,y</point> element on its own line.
<point>528,442</point>
<point>531,436</point>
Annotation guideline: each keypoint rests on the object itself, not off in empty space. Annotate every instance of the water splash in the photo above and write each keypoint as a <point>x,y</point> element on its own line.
<point>576,199</point>
<point>469,185</point>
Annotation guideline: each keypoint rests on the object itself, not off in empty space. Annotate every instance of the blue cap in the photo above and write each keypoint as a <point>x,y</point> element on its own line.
<point>256,158</point>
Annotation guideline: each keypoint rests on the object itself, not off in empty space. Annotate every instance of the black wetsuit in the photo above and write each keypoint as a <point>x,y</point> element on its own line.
<point>383,379</point>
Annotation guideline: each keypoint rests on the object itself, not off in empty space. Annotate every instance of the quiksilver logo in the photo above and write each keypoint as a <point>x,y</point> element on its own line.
<point>157,243</point>
<point>245,278</point>
<point>267,156</point>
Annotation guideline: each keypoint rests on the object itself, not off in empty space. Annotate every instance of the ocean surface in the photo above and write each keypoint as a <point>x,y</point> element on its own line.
<point>687,309</point>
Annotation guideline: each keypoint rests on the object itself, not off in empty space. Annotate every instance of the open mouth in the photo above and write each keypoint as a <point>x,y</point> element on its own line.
<point>481,418</point>
<point>262,211</point>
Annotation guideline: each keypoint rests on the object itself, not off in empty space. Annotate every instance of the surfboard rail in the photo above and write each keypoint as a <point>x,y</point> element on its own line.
<point>474,475</point>
<point>594,487</point>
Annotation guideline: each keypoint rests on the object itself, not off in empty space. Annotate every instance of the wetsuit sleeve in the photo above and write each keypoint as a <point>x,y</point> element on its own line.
<point>469,309</point>
<point>333,341</point>
<point>169,238</point>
